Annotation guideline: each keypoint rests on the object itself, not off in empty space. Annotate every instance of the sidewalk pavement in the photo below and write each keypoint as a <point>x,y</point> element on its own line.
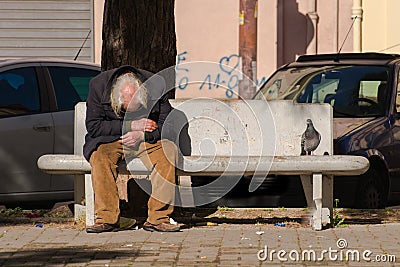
<point>216,245</point>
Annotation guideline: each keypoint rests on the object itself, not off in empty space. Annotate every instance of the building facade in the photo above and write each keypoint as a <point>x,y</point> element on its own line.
<point>208,31</point>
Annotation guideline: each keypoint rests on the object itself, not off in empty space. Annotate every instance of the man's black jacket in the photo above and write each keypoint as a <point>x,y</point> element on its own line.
<point>104,126</point>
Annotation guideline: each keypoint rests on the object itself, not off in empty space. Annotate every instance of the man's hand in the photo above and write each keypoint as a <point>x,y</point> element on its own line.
<point>132,139</point>
<point>144,124</point>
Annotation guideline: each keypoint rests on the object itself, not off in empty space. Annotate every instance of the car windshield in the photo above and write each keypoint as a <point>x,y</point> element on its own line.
<point>352,91</point>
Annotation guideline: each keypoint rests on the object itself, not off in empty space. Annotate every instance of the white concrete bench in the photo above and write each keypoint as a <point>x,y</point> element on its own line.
<point>235,138</point>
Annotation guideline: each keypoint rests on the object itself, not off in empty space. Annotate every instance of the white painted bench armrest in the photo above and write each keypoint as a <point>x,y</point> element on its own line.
<point>208,166</point>
<point>63,164</point>
<point>74,164</point>
<point>340,165</point>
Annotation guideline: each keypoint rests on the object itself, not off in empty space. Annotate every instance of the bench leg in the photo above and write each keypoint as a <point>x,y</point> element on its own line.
<point>327,198</point>
<point>79,197</point>
<point>306,181</point>
<point>317,197</point>
<point>89,197</point>
<point>184,197</point>
<point>323,199</point>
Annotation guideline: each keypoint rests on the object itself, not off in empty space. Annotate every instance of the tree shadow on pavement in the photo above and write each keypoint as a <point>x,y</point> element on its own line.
<point>72,255</point>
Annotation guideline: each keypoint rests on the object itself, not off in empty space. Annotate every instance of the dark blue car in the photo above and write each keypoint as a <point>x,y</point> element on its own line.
<point>363,91</point>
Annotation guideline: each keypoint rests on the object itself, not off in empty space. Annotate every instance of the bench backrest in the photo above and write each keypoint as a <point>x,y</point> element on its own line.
<point>239,128</point>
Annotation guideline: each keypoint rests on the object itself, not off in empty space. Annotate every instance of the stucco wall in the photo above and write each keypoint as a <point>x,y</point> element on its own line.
<point>208,30</point>
<point>381,25</point>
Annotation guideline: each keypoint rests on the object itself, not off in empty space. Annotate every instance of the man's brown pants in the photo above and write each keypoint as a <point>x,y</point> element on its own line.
<point>160,158</point>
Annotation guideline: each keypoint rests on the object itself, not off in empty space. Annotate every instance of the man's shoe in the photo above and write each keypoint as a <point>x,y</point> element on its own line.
<point>162,227</point>
<point>126,223</point>
<point>102,227</point>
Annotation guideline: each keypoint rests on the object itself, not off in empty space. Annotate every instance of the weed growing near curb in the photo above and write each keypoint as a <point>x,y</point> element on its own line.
<point>337,220</point>
<point>12,212</point>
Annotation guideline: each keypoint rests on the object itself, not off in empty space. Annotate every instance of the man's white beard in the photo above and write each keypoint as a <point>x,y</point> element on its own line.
<point>138,100</point>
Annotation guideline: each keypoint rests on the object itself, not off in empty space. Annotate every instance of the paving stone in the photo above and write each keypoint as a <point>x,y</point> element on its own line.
<point>221,245</point>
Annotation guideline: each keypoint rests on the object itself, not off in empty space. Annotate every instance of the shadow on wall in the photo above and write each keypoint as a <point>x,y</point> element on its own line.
<point>295,31</point>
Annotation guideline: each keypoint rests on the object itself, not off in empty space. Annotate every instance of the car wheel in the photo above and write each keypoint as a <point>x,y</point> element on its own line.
<point>371,193</point>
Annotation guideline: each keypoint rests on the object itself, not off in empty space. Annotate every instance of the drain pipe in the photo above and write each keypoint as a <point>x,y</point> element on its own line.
<point>357,14</point>
<point>336,25</point>
<point>312,29</point>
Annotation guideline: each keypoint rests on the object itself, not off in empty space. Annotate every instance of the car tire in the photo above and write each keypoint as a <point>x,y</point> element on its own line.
<point>371,191</point>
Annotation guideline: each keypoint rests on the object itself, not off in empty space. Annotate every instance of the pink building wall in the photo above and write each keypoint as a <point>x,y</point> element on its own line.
<point>208,31</point>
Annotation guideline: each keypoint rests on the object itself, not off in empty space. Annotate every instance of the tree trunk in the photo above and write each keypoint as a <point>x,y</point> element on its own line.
<point>140,33</point>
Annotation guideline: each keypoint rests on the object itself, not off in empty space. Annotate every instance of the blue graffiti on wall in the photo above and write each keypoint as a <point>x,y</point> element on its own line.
<point>184,81</point>
<point>227,75</point>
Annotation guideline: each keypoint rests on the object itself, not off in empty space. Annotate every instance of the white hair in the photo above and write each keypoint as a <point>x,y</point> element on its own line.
<point>116,98</point>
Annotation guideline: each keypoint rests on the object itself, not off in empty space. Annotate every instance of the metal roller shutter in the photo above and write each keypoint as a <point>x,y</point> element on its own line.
<point>46,28</point>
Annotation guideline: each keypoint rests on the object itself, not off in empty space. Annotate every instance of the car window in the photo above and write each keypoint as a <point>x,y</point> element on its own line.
<point>320,88</point>
<point>19,92</point>
<point>71,85</point>
<point>284,84</point>
<point>353,91</point>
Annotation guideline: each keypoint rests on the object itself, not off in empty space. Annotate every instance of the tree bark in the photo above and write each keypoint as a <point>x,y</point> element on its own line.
<point>140,33</point>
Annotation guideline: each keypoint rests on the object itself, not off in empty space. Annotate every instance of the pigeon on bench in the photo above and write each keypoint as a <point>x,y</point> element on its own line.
<point>310,139</point>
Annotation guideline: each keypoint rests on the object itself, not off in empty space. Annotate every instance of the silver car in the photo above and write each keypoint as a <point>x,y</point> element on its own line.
<point>37,98</point>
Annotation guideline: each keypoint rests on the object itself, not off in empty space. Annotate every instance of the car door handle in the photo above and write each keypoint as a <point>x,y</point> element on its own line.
<point>42,128</point>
